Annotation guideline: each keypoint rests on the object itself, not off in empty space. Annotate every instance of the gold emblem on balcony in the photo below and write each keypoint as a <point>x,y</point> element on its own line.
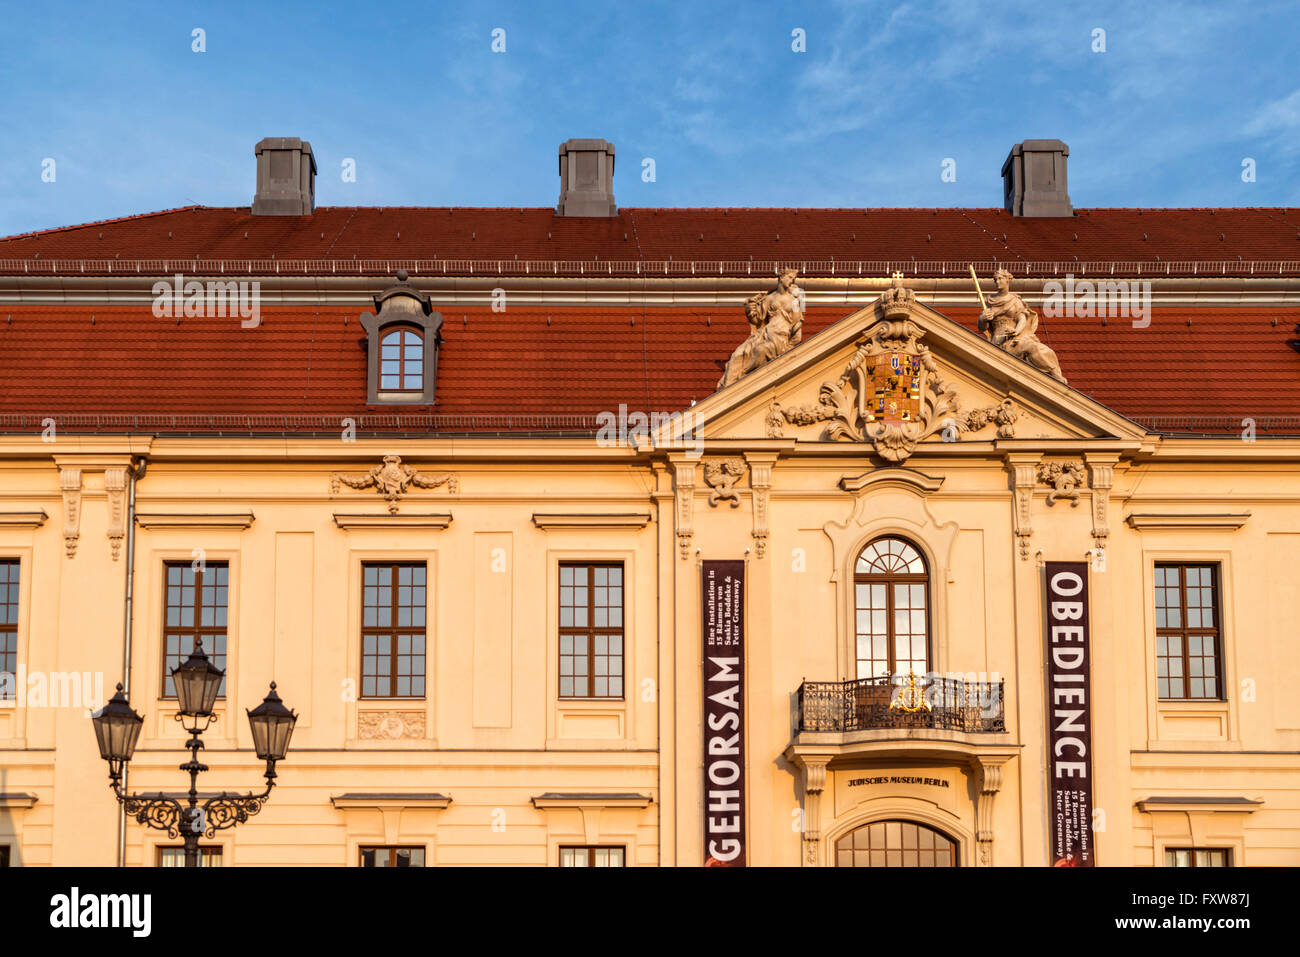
<point>910,696</point>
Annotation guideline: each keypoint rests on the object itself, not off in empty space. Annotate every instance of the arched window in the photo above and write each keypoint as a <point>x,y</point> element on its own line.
<point>895,844</point>
<point>401,361</point>
<point>892,594</point>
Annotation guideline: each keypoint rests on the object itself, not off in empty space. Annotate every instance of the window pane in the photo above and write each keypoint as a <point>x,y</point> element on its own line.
<point>392,630</point>
<point>591,641</point>
<point>195,609</point>
<point>891,595</point>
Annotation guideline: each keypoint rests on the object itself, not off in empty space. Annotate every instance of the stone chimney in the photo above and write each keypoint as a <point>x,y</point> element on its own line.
<point>286,177</point>
<point>1033,179</point>
<point>587,178</point>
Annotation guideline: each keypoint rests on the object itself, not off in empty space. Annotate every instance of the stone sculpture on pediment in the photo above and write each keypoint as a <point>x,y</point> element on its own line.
<point>891,393</point>
<point>776,326</point>
<point>1012,326</point>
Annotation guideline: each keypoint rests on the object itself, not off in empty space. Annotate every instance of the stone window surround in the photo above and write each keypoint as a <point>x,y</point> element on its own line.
<point>429,327</point>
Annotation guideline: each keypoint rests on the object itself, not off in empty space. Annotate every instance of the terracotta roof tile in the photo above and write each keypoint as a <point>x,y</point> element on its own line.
<point>342,234</point>
<point>303,361</point>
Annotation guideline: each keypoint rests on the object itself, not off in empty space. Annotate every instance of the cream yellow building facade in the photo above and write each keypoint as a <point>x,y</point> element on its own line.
<point>495,765</point>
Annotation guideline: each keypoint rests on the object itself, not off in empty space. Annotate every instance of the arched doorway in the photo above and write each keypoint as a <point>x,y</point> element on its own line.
<point>895,844</point>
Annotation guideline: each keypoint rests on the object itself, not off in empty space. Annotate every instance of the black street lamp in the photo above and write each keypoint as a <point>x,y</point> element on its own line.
<point>117,727</point>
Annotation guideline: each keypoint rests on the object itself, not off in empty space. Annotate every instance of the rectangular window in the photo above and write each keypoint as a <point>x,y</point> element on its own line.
<point>4,855</point>
<point>591,631</point>
<point>196,607</point>
<point>392,631</point>
<point>1198,857</point>
<point>209,856</point>
<point>1188,660</point>
<point>392,857</point>
<point>591,856</point>
<point>8,628</point>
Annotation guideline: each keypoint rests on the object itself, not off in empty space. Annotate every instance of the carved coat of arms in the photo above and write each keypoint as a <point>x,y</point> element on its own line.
<point>391,479</point>
<point>891,394</point>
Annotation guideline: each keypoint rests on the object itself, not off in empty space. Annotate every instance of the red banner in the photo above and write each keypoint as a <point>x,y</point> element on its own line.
<point>1069,709</point>
<point>724,713</point>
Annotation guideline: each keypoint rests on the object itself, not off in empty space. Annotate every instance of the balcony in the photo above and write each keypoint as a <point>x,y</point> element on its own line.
<point>901,702</point>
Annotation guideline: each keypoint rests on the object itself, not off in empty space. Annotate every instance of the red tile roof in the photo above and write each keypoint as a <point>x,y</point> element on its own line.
<point>1238,239</point>
<point>305,362</point>
<point>309,362</point>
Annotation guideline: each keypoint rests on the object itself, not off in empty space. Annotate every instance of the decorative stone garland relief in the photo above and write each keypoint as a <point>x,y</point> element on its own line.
<point>391,479</point>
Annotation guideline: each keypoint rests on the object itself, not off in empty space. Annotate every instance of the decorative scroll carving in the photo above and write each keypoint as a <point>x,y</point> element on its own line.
<point>115,483</point>
<point>391,480</point>
<point>70,483</point>
<point>721,476</point>
<point>1011,326</point>
<point>391,725</point>
<point>776,326</point>
<point>1066,479</point>
<point>684,489</point>
<point>760,480</point>
<point>891,393</point>
<point>1024,479</point>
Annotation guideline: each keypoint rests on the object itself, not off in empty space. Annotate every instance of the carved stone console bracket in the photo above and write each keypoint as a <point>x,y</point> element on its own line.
<point>814,783</point>
<point>70,483</point>
<point>1101,467</point>
<point>988,779</point>
<point>684,492</point>
<point>1023,468</point>
<point>760,480</point>
<point>115,484</point>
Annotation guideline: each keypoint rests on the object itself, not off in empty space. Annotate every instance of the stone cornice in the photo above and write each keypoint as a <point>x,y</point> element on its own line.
<point>847,291</point>
<point>1148,520</point>
<point>237,520</point>
<point>23,519</point>
<point>1199,803</point>
<point>589,520</point>
<point>1230,521</point>
<point>590,800</point>
<point>360,800</point>
<point>349,521</point>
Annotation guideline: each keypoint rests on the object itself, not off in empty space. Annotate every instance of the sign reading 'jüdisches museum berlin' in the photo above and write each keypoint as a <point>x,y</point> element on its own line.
<point>724,713</point>
<point>1069,715</point>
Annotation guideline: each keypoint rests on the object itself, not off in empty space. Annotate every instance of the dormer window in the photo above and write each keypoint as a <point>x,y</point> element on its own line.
<point>402,340</point>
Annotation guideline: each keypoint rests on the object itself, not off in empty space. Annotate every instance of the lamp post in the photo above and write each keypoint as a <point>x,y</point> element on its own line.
<point>117,727</point>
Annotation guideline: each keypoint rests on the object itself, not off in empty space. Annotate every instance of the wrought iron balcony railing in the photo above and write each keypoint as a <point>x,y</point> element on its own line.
<point>902,701</point>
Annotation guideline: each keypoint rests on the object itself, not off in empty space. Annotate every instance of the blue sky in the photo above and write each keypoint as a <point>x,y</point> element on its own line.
<point>732,116</point>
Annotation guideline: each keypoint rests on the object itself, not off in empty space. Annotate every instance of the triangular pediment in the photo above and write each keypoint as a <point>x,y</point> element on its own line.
<point>961,388</point>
